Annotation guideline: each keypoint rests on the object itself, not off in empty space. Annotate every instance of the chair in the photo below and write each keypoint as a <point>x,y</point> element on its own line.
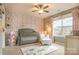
<point>45,40</point>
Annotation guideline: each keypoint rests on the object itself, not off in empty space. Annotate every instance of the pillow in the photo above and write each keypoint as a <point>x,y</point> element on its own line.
<point>42,36</point>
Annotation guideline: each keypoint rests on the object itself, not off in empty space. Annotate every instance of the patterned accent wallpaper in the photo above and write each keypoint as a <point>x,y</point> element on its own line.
<point>17,21</point>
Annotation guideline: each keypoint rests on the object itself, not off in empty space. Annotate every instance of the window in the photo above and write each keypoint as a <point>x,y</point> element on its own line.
<point>62,26</point>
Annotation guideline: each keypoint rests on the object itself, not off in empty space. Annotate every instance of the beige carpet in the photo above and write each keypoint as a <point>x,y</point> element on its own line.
<point>15,50</point>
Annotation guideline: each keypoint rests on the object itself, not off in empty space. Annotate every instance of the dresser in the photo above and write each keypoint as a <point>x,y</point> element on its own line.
<point>72,45</point>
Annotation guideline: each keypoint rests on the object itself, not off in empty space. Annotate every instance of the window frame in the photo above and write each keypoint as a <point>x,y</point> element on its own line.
<point>62,26</point>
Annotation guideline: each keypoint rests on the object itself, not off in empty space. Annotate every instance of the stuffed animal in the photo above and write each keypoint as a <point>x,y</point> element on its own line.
<point>12,39</point>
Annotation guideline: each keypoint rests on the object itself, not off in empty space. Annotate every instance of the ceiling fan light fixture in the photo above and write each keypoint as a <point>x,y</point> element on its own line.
<point>40,11</point>
<point>40,8</point>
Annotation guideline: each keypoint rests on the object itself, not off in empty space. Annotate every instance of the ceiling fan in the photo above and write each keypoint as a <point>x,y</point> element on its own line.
<point>40,8</point>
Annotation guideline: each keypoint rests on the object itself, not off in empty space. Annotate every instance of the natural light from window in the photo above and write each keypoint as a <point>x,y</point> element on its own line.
<point>62,27</point>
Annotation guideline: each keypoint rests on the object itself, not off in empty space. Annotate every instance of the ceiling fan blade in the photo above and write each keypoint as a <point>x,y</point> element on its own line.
<point>45,7</point>
<point>36,6</point>
<point>34,10</point>
<point>0,3</point>
<point>41,6</point>
<point>46,11</point>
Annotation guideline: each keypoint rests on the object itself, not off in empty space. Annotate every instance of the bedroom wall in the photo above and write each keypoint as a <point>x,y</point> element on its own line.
<point>21,16</point>
<point>48,26</point>
<point>47,22</point>
<point>17,21</point>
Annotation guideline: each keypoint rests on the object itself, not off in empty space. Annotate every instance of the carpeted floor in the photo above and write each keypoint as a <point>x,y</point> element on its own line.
<point>15,50</point>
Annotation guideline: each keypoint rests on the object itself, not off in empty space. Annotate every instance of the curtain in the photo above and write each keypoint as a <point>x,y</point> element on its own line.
<point>75,14</point>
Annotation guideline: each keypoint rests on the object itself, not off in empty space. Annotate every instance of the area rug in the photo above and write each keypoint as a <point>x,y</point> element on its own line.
<point>39,50</point>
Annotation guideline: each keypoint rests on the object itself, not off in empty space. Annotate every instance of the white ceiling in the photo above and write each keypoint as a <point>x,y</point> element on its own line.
<point>26,8</point>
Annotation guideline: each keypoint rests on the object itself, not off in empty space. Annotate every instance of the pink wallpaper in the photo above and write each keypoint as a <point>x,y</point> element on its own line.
<point>18,21</point>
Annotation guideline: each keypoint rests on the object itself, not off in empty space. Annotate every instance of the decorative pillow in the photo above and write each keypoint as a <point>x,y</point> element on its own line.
<point>42,36</point>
